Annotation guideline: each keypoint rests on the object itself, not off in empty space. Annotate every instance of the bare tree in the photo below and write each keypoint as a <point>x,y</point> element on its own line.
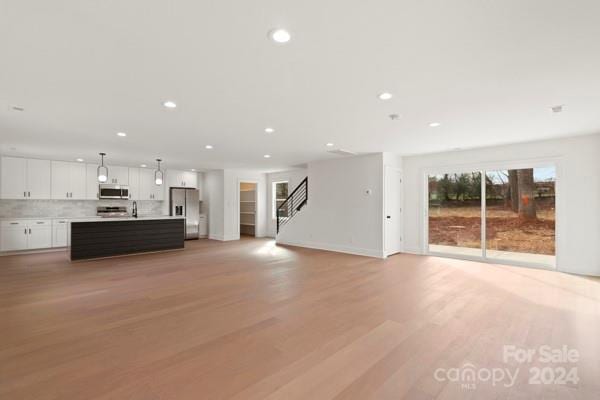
<point>526,194</point>
<point>513,189</point>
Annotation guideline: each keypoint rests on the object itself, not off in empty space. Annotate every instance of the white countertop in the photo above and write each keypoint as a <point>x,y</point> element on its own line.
<point>140,218</point>
<point>96,218</point>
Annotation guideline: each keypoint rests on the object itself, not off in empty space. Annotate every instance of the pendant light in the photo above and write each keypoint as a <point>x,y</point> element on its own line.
<point>102,170</point>
<point>158,175</point>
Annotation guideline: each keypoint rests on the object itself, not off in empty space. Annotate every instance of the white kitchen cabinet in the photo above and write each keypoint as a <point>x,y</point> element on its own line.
<point>148,189</point>
<point>91,182</point>
<point>174,178</point>
<point>177,178</point>
<point>118,175</point>
<point>38,179</point>
<point>25,234</point>
<point>23,178</point>
<point>190,179</point>
<point>14,178</point>
<point>60,233</point>
<point>68,180</point>
<point>39,234</point>
<point>13,236</point>
<point>134,184</point>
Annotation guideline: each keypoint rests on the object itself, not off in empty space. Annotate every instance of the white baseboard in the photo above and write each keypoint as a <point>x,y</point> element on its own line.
<point>335,247</point>
<point>223,238</point>
<point>35,251</point>
<point>413,250</point>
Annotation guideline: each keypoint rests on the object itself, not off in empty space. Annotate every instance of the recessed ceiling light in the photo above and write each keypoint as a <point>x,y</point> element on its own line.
<point>267,156</point>
<point>143,165</point>
<point>170,104</point>
<point>329,145</point>
<point>269,130</point>
<point>208,146</point>
<point>434,124</point>
<point>80,160</point>
<point>121,134</point>
<point>280,35</point>
<point>193,170</point>
<point>385,96</point>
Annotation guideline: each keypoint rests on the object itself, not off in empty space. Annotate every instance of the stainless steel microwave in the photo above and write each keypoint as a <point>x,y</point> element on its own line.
<point>112,191</point>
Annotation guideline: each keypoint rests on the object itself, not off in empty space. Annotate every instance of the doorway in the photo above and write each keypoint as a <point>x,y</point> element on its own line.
<point>393,210</point>
<point>247,218</point>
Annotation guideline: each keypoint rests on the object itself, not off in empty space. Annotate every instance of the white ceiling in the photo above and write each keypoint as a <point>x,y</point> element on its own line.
<point>488,71</point>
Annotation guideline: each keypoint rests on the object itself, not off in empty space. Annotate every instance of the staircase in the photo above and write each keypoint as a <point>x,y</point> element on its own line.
<point>294,203</point>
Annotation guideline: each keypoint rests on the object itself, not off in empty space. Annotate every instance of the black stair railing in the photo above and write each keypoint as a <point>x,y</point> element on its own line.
<point>294,203</point>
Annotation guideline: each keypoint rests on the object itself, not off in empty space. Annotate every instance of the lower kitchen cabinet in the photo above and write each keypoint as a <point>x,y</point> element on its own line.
<point>25,235</point>
<point>13,235</point>
<point>60,233</point>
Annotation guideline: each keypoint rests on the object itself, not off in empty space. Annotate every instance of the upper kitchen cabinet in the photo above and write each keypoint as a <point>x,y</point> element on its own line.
<point>134,184</point>
<point>23,178</point>
<point>68,181</point>
<point>187,179</point>
<point>148,189</point>
<point>118,175</point>
<point>92,185</point>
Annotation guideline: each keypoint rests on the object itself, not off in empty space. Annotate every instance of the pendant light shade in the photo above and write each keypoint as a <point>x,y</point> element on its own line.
<point>102,170</point>
<point>158,175</point>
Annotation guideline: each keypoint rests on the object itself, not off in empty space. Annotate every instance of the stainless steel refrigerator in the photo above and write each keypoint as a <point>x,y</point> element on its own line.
<point>185,202</point>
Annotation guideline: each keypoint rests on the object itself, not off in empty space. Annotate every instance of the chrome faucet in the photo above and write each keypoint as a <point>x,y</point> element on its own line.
<point>134,210</point>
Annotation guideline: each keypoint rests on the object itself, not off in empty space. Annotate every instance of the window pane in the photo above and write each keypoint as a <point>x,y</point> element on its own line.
<point>455,213</point>
<point>280,194</point>
<point>520,215</point>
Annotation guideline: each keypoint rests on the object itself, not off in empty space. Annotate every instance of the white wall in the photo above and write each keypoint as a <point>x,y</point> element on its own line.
<point>213,196</point>
<point>293,177</point>
<point>232,179</point>
<point>578,192</point>
<point>340,215</point>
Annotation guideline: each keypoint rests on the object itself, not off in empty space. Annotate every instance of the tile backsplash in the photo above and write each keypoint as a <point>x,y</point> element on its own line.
<point>70,208</point>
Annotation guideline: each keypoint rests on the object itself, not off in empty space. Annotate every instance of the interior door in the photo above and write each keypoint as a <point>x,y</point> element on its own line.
<point>393,210</point>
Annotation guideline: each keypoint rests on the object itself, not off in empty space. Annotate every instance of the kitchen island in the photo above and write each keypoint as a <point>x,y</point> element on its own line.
<point>109,237</point>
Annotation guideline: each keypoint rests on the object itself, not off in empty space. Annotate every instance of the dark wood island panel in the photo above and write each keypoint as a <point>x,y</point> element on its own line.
<point>96,239</point>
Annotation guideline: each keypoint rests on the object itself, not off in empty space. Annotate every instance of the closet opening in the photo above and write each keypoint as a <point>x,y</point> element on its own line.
<point>247,209</point>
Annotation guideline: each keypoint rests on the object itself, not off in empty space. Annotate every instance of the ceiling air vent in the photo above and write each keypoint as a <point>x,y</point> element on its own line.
<point>342,152</point>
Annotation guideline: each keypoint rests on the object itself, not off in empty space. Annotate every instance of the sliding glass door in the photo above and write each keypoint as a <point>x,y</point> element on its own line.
<point>510,216</point>
<point>455,213</point>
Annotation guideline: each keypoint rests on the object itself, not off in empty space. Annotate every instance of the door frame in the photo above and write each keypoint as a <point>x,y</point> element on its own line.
<point>555,162</point>
<point>237,205</point>
<point>385,191</point>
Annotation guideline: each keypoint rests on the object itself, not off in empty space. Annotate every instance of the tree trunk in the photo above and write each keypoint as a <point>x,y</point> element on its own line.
<point>513,183</point>
<point>526,194</point>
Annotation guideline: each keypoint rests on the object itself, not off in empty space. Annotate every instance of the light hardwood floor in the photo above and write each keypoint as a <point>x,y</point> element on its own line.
<point>251,320</point>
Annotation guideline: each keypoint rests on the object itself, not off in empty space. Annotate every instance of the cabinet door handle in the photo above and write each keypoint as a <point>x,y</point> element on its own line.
<point>24,194</point>
<point>30,231</point>
<point>14,223</point>
<point>28,194</point>
<point>26,231</point>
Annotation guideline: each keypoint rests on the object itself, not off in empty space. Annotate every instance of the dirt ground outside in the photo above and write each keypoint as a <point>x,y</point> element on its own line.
<point>461,226</point>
